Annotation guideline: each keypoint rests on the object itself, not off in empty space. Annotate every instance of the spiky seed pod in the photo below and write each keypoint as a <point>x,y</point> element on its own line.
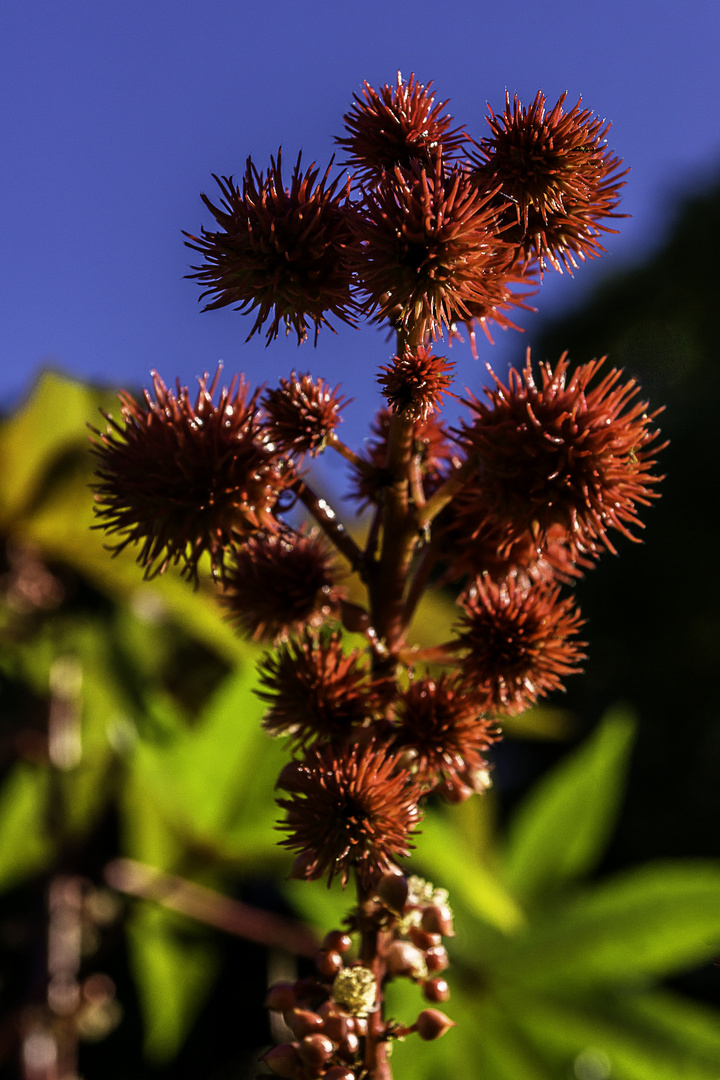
<point>563,452</point>
<point>353,809</point>
<point>279,251</point>
<point>397,125</point>
<point>519,642</point>
<point>314,690</point>
<point>441,721</point>
<point>474,542</point>
<point>414,383</point>
<point>427,251</point>
<point>556,180</point>
<point>302,413</point>
<point>183,480</point>
<point>280,582</point>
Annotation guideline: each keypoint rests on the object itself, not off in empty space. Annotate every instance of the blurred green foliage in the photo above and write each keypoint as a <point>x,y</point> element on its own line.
<point>129,729</point>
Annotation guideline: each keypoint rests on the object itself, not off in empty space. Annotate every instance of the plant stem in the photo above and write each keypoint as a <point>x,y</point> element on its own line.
<point>331,526</point>
<point>376,1060</point>
<point>209,907</point>
<point>457,480</point>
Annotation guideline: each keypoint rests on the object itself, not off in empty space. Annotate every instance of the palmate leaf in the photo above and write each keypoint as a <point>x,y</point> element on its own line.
<point>47,470</point>
<point>445,855</point>
<point>25,844</point>
<point>175,962</point>
<point>629,1037</point>
<point>50,424</point>
<point>560,830</point>
<point>213,784</point>
<point>648,922</point>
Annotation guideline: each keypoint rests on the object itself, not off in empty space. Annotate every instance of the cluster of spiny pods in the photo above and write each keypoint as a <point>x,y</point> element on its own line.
<point>431,233</point>
<point>327,1015</point>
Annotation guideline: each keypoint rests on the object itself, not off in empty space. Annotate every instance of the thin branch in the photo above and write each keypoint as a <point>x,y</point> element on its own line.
<point>338,445</point>
<point>209,907</point>
<point>427,560</point>
<point>447,491</point>
<point>331,525</point>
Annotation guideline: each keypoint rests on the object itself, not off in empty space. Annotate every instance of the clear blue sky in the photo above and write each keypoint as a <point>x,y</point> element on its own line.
<point>113,116</point>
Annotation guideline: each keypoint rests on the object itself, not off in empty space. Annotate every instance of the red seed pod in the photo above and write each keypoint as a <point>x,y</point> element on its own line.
<point>393,891</point>
<point>328,962</point>
<point>405,960</point>
<point>437,958</point>
<point>437,919</point>
<point>431,1024</point>
<point>283,1060</point>
<point>337,940</point>
<point>436,990</point>
<point>422,938</point>
<point>281,997</point>
<point>303,1022</point>
<point>315,1050</point>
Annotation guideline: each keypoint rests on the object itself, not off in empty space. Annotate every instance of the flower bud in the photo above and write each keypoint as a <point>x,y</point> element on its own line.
<point>315,1050</point>
<point>336,1027</point>
<point>349,1047</point>
<point>328,962</point>
<point>337,940</point>
<point>437,958</point>
<point>431,1024</point>
<point>283,1060</point>
<point>437,919</point>
<point>280,997</point>
<point>303,1022</point>
<point>436,989</point>
<point>422,938</point>
<point>405,960</point>
<point>392,889</point>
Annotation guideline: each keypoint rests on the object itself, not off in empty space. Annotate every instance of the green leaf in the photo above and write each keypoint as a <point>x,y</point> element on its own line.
<point>320,907</point>
<point>503,1051</point>
<point>562,827</point>
<point>175,962</point>
<point>50,423</point>
<point>25,846</point>
<point>618,1038</point>
<point>454,1054</point>
<point>693,1029</point>
<point>442,847</point>
<point>213,784</point>
<point>655,920</point>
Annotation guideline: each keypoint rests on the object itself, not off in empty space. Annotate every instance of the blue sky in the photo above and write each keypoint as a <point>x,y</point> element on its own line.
<point>113,117</point>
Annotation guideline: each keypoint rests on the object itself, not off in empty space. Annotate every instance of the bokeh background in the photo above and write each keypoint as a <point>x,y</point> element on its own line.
<point>112,119</point>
